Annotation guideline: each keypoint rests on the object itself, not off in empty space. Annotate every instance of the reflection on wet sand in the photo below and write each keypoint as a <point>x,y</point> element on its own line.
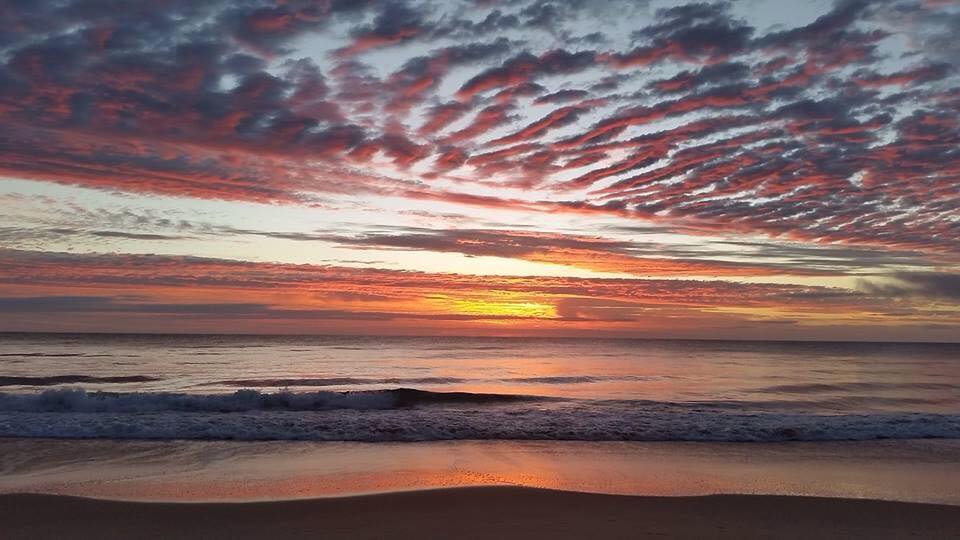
<point>921,471</point>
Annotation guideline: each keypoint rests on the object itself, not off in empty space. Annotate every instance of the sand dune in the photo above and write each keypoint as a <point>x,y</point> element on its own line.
<point>484,512</point>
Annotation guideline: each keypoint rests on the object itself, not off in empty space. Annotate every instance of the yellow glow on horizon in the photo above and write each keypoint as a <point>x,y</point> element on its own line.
<point>504,309</point>
<point>494,304</point>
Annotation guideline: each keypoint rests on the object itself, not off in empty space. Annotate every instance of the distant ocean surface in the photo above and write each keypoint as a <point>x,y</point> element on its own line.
<point>428,389</point>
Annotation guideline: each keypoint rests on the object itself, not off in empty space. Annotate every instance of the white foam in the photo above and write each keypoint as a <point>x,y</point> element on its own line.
<point>78,400</point>
<point>425,416</point>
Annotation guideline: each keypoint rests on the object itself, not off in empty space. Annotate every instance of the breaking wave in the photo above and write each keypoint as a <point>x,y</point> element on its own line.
<point>77,400</point>
<point>360,381</point>
<point>407,414</point>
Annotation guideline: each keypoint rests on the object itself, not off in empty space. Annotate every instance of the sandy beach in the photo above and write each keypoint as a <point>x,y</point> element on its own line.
<point>481,512</point>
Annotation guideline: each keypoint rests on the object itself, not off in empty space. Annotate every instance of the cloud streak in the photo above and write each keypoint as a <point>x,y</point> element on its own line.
<point>111,289</point>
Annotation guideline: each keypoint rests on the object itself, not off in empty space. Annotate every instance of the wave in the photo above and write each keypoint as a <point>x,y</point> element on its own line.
<point>334,381</point>
<point>77,400</point>
<point>572,379</point>
<point>361,381</point>
<point>416,415</point>
<point>581,379</point>
<point>852,386</point>
<point>72,379</point>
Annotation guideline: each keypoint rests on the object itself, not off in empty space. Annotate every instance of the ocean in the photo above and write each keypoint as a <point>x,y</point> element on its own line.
<point>402,389</point>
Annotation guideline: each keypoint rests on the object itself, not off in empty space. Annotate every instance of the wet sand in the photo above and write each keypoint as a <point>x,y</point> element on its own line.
<point>229,471</point>
<point>481,512</point>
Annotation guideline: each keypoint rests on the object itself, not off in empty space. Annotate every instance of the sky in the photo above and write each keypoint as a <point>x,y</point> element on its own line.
<point>755,169</point>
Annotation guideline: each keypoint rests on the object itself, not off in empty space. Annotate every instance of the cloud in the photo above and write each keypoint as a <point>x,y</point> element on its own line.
<point>422,74</point>
<point>156,273</point>
<point>843,130</point>
<point>692,32</point>
<point>562,96</point>
<point>99,304</point>
<point>525,68</point>
<point>486,119</point>
<point>141,292</point>
<point>589,252</point>
<point>397,22</point>
<point>557,118</point>
<point>912,76</point>
<point>718,73</point>
<point>935,285</point>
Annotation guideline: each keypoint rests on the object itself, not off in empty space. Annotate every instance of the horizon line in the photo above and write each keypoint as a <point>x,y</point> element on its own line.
<point>491,336</point>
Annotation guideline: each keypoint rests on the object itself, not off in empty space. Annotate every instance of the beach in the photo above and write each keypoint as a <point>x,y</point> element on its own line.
<point>920,471</point>
<point>477,489</point>
<point>481,512</point>
<point>200,436</point>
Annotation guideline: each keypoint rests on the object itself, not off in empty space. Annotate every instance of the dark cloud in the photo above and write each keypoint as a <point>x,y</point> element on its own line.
<point>542,14</point>
<point>933,285</point>
<point>133,235</point>
<point>422,74</point>
<point>558,118</point>
<point>689,32</point>
<point>562,96</point>
<point>686,81</point>
<point>78,304</point>
<point>838,21</point>
<point>916,75</point>
<point>526,67</point>
<point>494,21</point>
<point>833,39</point>
<point>396,22</point>
<point>937,31</point>
<point>22,235</point>
<point>699,30</point>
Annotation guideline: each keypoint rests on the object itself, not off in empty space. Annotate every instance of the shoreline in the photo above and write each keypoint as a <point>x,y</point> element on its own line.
<point>921,471</point>
<point>480,512</point>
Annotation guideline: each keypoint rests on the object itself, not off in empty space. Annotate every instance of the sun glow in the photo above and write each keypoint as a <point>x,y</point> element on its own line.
<point>496,306</point>
<point>506,309</point>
